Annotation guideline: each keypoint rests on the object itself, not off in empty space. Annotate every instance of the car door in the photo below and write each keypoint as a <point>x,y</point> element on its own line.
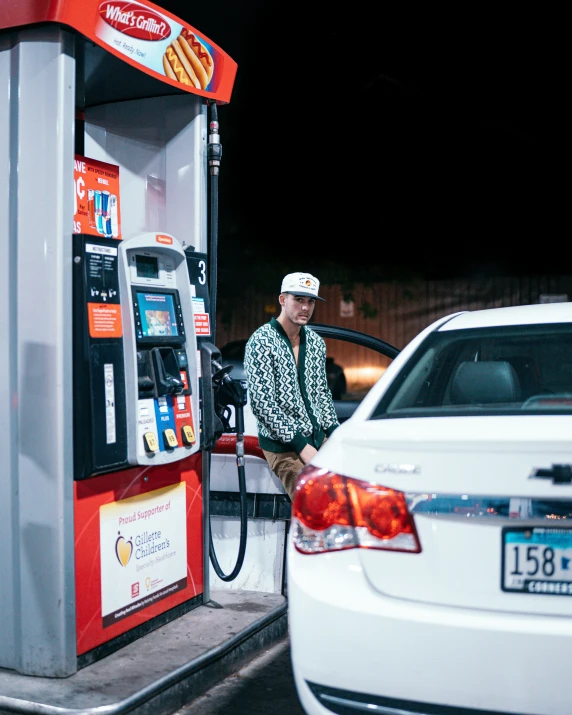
<point>362,358</point>
<point>359,359</point>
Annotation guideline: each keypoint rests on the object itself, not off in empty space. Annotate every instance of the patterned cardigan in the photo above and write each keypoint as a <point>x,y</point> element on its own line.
<point>292,404</point>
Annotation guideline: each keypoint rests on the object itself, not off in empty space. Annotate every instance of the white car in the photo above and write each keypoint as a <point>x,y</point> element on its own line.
<point>429,562</point>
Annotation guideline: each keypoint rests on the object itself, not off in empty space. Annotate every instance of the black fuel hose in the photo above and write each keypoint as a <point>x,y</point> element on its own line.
<point>214,156</point>
<point>239,412</point>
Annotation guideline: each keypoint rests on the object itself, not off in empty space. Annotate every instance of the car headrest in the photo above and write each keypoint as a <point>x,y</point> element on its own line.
<point>485,382</point>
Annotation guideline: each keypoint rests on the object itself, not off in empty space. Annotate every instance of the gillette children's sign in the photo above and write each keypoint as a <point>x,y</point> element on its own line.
<point>143,543</point>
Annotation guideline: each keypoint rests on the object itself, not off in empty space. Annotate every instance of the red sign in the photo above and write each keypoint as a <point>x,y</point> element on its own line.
<point>140,33</point>
<point>96,198</point>
<point>134,21</point>
<point>202,324</point>
<point>104,320</point>
<point>160,238</point>
<point>90,496</point>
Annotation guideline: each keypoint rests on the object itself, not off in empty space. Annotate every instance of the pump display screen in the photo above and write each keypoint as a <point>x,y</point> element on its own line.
<point>147,267</point>
<point>157,313</point>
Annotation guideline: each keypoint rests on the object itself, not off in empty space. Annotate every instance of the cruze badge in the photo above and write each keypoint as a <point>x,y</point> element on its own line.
<point>398,468</point>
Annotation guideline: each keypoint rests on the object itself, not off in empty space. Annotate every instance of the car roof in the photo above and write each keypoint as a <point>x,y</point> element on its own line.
<point>541,313</point>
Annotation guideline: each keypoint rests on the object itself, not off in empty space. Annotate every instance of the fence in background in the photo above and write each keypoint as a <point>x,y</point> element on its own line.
<point>394,312</point>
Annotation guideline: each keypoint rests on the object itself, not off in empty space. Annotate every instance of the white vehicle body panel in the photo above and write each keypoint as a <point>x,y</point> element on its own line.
<point>346,635</point>
<point>439,627</point>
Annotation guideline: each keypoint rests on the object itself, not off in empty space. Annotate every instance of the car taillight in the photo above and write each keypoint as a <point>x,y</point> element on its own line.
<point>331,513</point>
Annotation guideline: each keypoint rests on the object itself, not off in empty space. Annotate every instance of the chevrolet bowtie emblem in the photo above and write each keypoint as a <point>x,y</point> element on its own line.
<point>559,473</point>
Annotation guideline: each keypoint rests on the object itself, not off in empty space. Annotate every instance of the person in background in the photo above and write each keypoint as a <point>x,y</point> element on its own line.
<point>336,378</point>
<point>285,366</point>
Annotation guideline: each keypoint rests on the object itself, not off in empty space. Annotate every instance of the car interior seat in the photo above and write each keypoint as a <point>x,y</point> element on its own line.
<point>528,375</point>
<point>487,381</point>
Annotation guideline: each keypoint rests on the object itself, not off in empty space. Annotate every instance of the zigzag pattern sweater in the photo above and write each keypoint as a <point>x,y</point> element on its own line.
<point>292,404</point>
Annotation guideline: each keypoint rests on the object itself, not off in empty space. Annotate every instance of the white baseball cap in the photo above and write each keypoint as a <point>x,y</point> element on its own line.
<point>301,284</point>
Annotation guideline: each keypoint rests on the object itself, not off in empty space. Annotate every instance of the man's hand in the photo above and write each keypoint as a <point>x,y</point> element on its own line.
<point>307,453</point>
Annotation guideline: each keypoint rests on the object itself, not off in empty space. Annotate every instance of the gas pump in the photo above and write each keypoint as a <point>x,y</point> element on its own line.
<point>100,370</point>
<point>162,352</point>
<point>134,359</point>
<point>136,381</point>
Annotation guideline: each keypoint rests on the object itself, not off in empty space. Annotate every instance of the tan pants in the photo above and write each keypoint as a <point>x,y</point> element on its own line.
<point>286,466</point>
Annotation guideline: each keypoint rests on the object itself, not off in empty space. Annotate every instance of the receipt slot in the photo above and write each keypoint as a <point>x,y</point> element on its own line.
<point>160,350</point>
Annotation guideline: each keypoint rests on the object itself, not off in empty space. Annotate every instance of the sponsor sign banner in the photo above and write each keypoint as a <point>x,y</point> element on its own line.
<point>126,492</point>
<point>143,551</point>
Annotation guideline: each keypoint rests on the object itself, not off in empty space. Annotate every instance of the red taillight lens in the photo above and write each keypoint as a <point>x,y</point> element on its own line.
<point>331,512</point>
<point>321,500</point>
<point>382,511</point>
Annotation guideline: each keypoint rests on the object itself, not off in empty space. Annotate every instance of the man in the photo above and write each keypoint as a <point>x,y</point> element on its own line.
<point>285,365</point>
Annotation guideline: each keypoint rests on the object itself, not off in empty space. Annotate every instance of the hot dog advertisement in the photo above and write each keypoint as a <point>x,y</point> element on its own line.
<point>159,43</point>
<point>188,60</point>
<point>143,35</point>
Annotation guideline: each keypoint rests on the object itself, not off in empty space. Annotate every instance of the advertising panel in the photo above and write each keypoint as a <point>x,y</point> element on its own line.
<point>138,546</point>
<point>143,551</point>
<point>96,198</point>
<point>141,34</point>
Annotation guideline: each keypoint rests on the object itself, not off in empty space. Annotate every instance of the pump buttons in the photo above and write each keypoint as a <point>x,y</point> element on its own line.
<point>170,438</point>
<point>188,434</point>
<point>150,441</point>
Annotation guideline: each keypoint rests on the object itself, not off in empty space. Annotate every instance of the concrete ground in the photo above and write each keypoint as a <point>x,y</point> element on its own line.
<point>163,670</point>
<point>265,685</point>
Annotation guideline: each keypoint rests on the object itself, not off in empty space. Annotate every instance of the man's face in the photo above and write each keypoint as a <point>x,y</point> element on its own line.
<point>298,308</point>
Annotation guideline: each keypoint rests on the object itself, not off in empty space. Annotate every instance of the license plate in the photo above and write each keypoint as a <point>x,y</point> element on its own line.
<point>537,560</point>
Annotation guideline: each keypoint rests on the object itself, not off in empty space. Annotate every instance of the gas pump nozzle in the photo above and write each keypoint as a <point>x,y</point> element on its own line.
<point>167,373</point>
<point>217,394</point>
<point>221,373</point>
<point>231,392</point>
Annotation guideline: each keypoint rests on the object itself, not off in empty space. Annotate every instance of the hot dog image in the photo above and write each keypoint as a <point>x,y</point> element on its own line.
<point>188,61</point>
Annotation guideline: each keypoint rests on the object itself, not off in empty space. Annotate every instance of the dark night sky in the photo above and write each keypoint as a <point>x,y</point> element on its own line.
<point>406,142</point>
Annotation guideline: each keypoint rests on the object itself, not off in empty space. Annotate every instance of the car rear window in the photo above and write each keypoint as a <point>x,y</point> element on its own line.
<point>485,371</point>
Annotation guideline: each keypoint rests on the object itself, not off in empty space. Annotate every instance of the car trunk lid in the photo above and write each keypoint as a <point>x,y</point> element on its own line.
<point>490,508</point>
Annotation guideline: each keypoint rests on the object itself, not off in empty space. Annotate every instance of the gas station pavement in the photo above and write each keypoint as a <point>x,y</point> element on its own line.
<point>264,685</point>
<point>163,670</point>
